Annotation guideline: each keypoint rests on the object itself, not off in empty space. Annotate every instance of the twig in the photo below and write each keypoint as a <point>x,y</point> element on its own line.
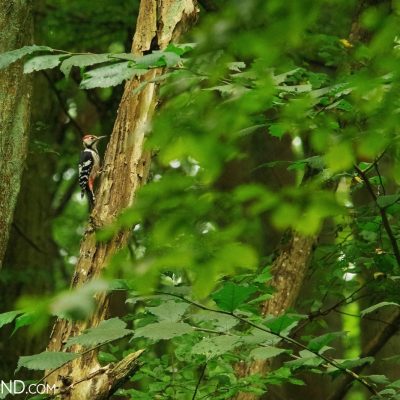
<point>382,211</point>
<point>27,239</point>
<point>203,370</point>
<point>65,198</point>
<point>366,317</point>
<point>62,105</point>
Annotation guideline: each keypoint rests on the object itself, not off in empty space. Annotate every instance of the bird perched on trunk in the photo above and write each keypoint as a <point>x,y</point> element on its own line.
<point>89,166</point>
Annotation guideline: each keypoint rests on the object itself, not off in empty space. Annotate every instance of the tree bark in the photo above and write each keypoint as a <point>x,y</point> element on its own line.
<point>31,255</point>
<point>16,27</point>
<point>125,169</point>
<point>288,271</point>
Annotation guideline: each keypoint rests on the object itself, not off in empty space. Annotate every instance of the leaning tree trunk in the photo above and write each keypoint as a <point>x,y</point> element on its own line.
<point>16,27</point>
<point>125,169</point>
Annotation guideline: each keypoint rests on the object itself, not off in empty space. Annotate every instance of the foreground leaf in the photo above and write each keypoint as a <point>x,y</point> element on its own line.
<point>110,75</point>
<point>231,296</point>
<point>8,317</point>
<point>107,331</point>
<point>45,360</point>
<point>9,57</point>
<point>377,306</point>
<point>213,347</point>
<point>163,330</point>
<point>42,62</point>
<point>263,353</point>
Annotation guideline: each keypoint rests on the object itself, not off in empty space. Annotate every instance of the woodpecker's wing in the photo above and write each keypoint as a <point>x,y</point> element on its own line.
<point>86,163</point>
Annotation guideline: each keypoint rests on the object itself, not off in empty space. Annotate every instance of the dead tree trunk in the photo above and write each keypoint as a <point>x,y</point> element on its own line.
<point>125,169</point>
<point>16,27</point>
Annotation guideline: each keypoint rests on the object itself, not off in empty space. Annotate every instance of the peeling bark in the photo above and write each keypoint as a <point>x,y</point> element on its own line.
<point>16,30</point>
<point>125,170</point>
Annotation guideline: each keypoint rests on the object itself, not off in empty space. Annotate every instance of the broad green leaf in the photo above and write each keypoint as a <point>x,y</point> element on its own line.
<point>379,379</point>
<point>219,322</point>
<point>216,346</point>
<point>388,200</point>
<point>307,359</point>
<point>45,360</point>
<point>277,130</point>
<point>24,320</point>
<point>352,363</point>
<point>257,337</point>
<point>8,317</point>
<point>377,306</point>
<point>231,296</point>
<point>284,323</point>
<point>106,331</point>
<point>180,48</point>
<point>9,57</point>
<point>163,330</point>
<point>169,311</point>
<point>42,62</point>
<point>318,343</point>
<point>263,353</point>
<point>110,75</point>
<point>83,60</point>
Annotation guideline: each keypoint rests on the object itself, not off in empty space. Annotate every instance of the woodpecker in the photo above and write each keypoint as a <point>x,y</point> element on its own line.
<point>89,166</point>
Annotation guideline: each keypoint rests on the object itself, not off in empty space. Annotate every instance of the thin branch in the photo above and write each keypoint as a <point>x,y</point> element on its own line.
<point>65,198</point>
<point>322,313</point>
<point>366,317</point>
<point>27,239</point>
<point>203,370</point>
<point>62,105</point>
<point>382,211</point>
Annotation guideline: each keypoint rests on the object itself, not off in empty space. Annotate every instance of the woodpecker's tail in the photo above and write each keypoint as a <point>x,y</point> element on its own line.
<point>91,198</point>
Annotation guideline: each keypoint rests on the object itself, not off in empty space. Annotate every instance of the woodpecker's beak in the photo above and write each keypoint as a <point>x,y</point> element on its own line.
<point>101,137</point>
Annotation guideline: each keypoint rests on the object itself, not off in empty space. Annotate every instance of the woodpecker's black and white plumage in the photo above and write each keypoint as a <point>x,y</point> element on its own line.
<point>89,166</point>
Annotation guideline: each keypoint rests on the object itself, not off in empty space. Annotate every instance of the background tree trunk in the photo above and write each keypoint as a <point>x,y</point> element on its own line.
<point>16,27</point>
<point>125,169</point>
<point>31,255</point>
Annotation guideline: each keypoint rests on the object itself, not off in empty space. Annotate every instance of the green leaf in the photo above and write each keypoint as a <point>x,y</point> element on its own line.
<point>231,296</point>
<point>45,360</point>
<point>219,322</point>
<point>258,337</point>
<point>106,331</point>
<point>9,57</point>
<point>180,48</point>
<point>377,306</point>
<point>317,343</point>
<point>277,130</point>
<point>42,62</point>
<point>388,200</point>
<point>8,317</point>
<point>307,359</point>
<point>169,311</point>
<point>163,330</point>
<point>352,363</point>
<point>284,323</point>
<point>263,353</point>
<point>82,60</point>
<point>24,320</point>
<point>216,346</point>
<point>110,75</point>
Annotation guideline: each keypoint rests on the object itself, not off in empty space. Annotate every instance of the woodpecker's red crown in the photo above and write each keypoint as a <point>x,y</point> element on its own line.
<point>89,140</point>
